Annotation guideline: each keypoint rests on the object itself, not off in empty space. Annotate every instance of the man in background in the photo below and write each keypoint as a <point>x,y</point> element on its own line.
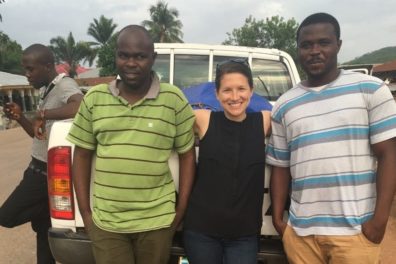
<point>60,98</point>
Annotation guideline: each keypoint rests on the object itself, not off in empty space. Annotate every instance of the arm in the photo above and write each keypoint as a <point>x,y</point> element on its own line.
<point>201,122</point>
<point>267,122</point>
<point>279,190</point>
<point>186,180</point>
<point>374,229</point>
<point>82,162</point>
<point>69,110</point>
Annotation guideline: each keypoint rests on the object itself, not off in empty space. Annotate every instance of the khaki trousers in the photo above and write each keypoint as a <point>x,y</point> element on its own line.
<point>131,248</point>
<point>317,249</point>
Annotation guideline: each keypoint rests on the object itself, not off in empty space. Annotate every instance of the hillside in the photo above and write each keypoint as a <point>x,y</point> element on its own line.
<point>378,56</point>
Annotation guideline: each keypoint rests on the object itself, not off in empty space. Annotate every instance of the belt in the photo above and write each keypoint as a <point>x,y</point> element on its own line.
<point>38,165</point>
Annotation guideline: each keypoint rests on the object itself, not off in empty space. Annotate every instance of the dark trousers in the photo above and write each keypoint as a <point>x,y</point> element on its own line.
<point>204,249</point>
<point>149,247</point>
<point>29,203</point>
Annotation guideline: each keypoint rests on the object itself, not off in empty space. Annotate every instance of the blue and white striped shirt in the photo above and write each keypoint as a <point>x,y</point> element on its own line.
<point>324,137</point>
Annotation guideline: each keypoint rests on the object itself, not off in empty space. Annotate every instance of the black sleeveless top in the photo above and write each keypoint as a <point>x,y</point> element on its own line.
<point>227,196</point>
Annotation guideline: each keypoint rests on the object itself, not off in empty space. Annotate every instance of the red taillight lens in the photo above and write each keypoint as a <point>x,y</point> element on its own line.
<point>60,188</point>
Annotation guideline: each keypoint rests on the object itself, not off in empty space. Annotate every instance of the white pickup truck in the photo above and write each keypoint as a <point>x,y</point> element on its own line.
<point>274,72</point>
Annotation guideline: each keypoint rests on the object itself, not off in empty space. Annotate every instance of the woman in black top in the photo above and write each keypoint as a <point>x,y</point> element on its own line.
<point>224,215</point>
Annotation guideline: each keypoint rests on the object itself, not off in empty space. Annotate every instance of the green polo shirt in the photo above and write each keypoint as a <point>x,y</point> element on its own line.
<point>133,187</point>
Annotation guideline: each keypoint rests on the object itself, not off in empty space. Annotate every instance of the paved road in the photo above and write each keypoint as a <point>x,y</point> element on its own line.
<point>17,245</point>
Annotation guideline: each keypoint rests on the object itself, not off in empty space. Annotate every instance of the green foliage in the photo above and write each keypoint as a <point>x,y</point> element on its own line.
<point>379,56</point>
<point>272,32</point>
<point>66,50</point>
<point>164,25</point>
<point>102,30</point>
<point>248,35</point>
<point>106,57</point>
<point>10,55</point>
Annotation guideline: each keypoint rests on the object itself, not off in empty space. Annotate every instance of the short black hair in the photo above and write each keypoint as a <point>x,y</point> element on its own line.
<point>41,53</point>
<point>233,66</point>
<point>320,18</point>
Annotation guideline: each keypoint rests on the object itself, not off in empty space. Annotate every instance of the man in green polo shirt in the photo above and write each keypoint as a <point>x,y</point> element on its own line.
<point>132,125</point>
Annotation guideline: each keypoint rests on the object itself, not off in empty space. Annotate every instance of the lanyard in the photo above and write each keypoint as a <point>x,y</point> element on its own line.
<point>48,90</point>
<point>52,85</point>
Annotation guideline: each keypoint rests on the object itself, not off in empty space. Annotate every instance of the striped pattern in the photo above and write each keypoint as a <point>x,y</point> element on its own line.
<point>324,137</point>
<point>133,187</point>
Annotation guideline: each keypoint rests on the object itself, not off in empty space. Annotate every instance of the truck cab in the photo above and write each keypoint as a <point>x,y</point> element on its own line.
<point>362,68</point>
<point>183,65</point>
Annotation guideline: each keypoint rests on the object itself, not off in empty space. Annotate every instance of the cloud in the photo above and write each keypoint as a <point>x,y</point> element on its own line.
<point>366,25</point>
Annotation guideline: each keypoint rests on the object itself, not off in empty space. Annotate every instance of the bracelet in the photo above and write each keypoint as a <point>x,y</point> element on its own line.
<point>42,113</point>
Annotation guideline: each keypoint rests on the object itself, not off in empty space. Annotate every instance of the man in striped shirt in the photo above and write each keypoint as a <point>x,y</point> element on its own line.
<point>132,125</point>
<point>333,144</point>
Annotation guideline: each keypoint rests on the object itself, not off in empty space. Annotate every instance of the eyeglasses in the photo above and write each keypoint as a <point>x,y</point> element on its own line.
<point>242,61</point>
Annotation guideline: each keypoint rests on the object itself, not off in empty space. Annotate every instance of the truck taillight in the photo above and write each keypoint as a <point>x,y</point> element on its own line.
<point>60,190</point>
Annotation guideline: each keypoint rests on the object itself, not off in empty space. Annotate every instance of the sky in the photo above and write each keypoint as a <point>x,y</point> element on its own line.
<point>366,25</point>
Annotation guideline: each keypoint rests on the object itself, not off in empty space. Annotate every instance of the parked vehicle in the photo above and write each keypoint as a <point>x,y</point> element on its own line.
<point>184,65</point>
<point>362,68</point>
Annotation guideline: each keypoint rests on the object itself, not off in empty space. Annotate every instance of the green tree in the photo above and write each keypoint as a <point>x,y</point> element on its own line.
<point>102,30</point>
<point>66,50</point>
<point>10,55</point>
<point>164,25</point>
<point>378,56</point>
<point>106,57</point>
<point>272,32</point>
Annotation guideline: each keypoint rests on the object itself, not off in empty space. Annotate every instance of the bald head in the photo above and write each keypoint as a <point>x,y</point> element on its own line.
<point>135,57</point>
<point>137,32</point>
<point>40,53</point>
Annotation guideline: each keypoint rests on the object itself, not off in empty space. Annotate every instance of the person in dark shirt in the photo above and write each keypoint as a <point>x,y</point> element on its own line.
<point>224,215</point>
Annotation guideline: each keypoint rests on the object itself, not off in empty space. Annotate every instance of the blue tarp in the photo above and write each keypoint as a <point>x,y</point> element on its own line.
<point>204,96</point>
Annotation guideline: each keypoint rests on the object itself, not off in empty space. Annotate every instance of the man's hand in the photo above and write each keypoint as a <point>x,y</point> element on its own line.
<point>279,190</point>
<point>88,222</point>
<point>373,231</point>
<point>178,219</point>
<point>13,111</point>
<point>280,226</point>
<point>39,126</point>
